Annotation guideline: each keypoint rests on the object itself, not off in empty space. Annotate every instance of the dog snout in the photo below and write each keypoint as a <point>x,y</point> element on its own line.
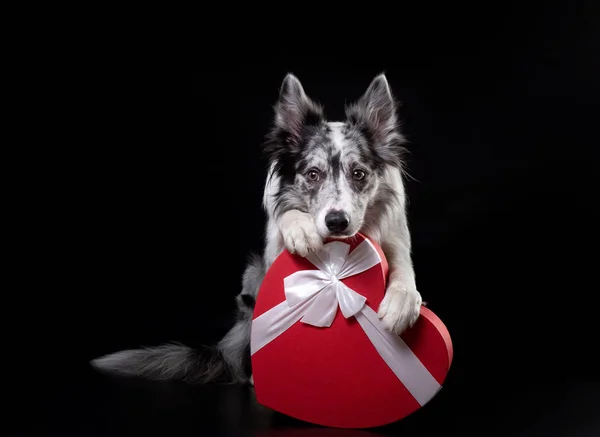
<point>336,221</point>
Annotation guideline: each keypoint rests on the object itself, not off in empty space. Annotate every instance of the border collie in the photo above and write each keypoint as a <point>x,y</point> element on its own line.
<point>325,179</point>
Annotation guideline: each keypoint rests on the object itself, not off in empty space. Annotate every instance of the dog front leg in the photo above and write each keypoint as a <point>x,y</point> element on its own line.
<point>297,232</point>
<point>401,306</point>
<point>293,229</point>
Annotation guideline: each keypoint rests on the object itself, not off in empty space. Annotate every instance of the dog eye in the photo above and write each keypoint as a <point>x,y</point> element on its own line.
<point>358,175</point>
<point>313,175</point>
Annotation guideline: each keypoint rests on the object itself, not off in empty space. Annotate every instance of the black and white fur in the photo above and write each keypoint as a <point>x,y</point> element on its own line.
<point>325,179</point>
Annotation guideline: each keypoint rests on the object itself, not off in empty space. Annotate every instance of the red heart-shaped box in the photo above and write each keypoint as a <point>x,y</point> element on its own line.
<point>333,376</point>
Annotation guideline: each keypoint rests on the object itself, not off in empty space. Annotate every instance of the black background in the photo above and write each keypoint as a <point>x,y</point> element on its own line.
<point>154,220</point>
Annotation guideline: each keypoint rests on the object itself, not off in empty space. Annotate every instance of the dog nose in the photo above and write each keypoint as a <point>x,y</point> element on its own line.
<point>336,221</point>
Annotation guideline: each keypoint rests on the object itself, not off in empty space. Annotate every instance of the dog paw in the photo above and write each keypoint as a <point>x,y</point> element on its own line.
<point>299,232</point>
<point>400,308</point>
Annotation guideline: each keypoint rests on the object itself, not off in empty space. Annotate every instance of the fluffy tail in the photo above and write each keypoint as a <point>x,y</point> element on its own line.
<point>226,362</point>
<point>172,362</point>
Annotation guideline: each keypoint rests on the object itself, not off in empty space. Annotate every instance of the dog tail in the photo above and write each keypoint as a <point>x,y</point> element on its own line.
<point>225,362</point>
<point>171,362</point>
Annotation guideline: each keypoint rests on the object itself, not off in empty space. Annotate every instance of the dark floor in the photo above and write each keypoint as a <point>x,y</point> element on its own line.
<point>89,404</point>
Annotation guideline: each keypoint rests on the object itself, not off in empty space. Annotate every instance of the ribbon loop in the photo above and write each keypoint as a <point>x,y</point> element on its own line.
<point>331,258</point>
<point>301,285</point>
<point>362,258</point>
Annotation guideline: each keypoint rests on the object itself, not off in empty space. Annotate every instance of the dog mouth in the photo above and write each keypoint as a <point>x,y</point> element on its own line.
<point>341,235</point>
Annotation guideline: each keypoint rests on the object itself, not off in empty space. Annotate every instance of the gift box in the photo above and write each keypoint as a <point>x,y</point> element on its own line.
<point>319,351</point>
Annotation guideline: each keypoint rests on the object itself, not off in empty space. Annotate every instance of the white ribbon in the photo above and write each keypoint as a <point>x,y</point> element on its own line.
<point>313,296</point>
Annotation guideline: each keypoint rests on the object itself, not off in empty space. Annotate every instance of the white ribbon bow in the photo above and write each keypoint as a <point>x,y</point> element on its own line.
<point>334,264</point>
<point>313,296</point>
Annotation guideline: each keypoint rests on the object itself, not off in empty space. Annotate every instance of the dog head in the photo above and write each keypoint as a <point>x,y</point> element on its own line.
<point>333,170</point>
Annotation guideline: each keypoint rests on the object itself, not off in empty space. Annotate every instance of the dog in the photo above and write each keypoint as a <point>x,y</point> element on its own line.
<point>325,179</point>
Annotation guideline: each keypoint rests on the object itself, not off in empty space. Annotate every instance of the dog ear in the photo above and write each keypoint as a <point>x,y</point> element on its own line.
<point>375,111</point>
<point>294,109</point>
<point>374,114</point>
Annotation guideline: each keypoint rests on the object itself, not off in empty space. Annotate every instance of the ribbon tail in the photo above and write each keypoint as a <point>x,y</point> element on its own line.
<point>349,300</point>
<point>322,312</point>
<point>271,324</point>
<point>399,358</point>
